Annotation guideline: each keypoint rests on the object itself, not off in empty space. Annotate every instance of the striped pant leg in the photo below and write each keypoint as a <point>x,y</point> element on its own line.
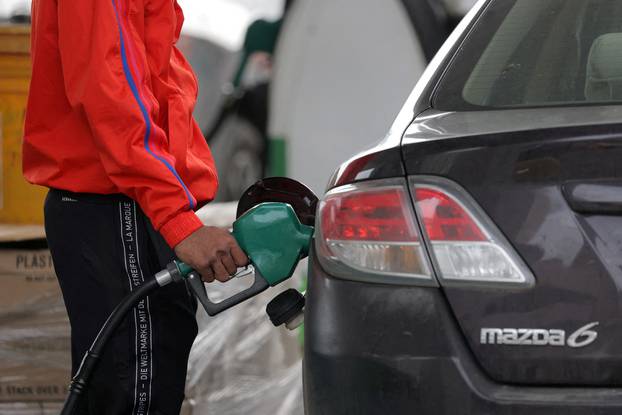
<point>103,248</point>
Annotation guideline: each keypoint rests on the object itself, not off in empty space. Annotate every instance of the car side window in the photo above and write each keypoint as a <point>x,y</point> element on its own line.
<point>526,53</point>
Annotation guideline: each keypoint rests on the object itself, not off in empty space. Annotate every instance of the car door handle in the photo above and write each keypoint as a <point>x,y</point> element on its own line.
<point>594,197</point>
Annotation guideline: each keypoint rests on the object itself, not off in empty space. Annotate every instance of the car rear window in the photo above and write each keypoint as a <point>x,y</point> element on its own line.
<point>532,53</point>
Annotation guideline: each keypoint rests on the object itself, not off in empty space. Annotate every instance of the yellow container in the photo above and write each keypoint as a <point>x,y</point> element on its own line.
<point>20,202</point>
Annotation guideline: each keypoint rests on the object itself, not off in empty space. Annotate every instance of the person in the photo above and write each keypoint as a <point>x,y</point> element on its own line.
<point>109,129</point>
<point>260,39</point>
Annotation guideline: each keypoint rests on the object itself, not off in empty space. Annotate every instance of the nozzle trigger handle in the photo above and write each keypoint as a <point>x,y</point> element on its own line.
<point>212,309</point>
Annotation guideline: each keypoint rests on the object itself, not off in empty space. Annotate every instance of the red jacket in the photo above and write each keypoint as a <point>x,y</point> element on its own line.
<point>110,109</point>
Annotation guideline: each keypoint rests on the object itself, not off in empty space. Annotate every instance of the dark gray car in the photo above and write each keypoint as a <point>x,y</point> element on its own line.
<point>471,263</point>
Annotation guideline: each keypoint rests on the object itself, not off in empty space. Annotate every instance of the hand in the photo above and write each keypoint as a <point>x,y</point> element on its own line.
<point>213,253</point>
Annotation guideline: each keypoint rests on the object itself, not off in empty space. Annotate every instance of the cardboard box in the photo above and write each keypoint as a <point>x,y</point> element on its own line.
<point>34,340</point>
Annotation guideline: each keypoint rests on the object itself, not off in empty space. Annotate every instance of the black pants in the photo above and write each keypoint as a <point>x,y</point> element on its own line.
<point>103,247</point>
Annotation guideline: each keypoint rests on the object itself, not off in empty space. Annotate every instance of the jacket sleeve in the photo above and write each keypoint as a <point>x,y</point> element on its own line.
<point>107,77</point>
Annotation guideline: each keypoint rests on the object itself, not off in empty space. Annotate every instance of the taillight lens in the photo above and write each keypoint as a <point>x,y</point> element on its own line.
<point>467,246</point>
<point>369,231</point>
<point>371,228</point>
<point>445,219</point>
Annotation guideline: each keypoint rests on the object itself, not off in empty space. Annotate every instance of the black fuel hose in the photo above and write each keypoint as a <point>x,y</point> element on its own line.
<point>80,381</point>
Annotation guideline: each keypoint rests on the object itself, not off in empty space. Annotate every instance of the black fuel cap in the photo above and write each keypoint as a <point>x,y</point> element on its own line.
<point>285,307</point>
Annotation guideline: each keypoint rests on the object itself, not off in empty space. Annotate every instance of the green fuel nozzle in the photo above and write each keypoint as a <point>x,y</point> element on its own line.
<point>274,240</point>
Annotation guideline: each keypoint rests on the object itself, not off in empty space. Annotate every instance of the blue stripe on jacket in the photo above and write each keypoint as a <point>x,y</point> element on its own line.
<point>143,110</point>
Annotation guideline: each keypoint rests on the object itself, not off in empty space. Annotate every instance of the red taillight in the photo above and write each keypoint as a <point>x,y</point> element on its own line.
<point>445,219</point>
<point>466,244</point>
<point>369,232</point>
<point>370,229</point>
<point>377,215</point>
